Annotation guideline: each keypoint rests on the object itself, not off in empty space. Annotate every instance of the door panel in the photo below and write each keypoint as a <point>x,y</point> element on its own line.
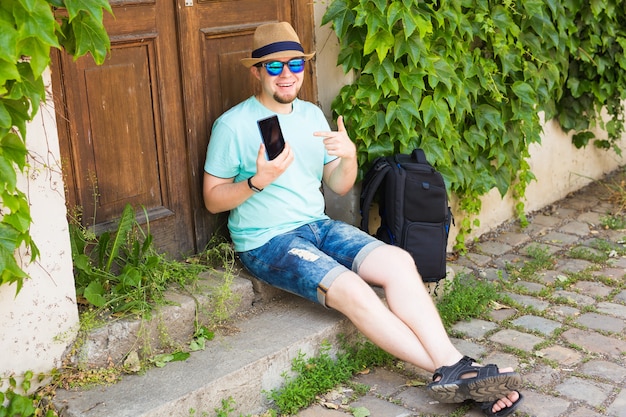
<point>121,143</point>
<point>114,92</point>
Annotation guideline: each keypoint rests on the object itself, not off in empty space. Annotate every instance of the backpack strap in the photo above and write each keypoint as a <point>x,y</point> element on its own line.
<point>372,180</point>
<point>419,155</point>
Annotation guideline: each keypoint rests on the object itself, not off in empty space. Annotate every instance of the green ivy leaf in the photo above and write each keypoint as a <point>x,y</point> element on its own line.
<point>597,6</point>
<point>35,19</point>
<point>525,92</point>
<point>8,41</point>
<point>6,121</point>
<point>372,95</point>
<point>19,110</point>
<point>394,13</point>
<point>444,72</point>
<point>8,175</point>
<point>9,237</point>
<point>21,405</point>
<point>503,21</point>
<point>412,79</point>
<point>487,115</point>
<point>8,71</point>
<point>341,16</point>
<point>90,36</point>
<point>93,7</point>
<point>19,220</point>
<point>28,88</point>
<point>434,109</point>
<point>380,41</point>
<point>582,139</point>
<point>424,26</point>
<point>38,53</point>
<point>410,47</point>
<point>381,71</point>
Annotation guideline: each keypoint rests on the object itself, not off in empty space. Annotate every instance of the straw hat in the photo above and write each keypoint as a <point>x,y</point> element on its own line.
<point>275,41</point>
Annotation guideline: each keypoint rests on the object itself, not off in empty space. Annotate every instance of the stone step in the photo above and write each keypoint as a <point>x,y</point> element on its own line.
<point>173,324</point>
<point>244,362</point>
<point>243,365</point>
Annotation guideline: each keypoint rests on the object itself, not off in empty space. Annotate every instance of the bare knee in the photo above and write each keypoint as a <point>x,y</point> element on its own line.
<point>389,264</point>
<point>349,291</point>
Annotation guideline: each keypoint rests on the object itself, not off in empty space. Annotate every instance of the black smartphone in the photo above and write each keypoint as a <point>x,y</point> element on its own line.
<point>272,136</point>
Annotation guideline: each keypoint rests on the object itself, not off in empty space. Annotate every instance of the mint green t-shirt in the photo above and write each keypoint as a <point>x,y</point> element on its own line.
<point>295,198</point>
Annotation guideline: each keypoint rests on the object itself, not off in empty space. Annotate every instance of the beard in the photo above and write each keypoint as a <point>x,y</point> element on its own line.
<point>286,99</point>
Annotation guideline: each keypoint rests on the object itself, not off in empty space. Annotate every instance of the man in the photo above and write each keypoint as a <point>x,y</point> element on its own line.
<point>282,236</point>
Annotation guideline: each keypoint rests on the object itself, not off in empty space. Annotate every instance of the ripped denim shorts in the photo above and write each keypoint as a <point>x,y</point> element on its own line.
<point>306,261</point>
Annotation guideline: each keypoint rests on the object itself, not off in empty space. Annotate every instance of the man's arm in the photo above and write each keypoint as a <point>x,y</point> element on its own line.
<point>223,194</point>
<point>340,174</point>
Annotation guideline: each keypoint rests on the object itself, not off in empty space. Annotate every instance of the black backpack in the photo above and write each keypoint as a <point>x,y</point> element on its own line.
<point>413,206</point>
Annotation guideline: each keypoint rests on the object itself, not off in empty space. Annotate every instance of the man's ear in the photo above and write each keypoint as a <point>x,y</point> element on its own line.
<point>255,71</point>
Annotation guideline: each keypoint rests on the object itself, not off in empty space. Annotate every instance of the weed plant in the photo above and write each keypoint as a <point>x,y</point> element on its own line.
<point>322,373</point>
<point>540,259</point>
<point>13,403</point>
<point>587,254</point>
<point>219,254</point>
<point>465,297</point>
<point>613,222</point>
<point>122,272</point>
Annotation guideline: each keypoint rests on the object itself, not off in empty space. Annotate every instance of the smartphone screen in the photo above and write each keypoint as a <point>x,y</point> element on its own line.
<point>272,136</point>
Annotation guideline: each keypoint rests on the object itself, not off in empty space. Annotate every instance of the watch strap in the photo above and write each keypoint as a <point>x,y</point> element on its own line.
<point>252,187</point>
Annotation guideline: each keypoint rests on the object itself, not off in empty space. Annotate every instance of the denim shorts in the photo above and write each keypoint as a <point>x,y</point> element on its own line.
<point>306,261</point>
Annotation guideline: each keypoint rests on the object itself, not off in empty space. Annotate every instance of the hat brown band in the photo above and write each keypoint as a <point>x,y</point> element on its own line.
<point>277,47</point>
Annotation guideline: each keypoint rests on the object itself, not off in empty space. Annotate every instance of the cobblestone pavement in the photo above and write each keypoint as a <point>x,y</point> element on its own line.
<point>562,328</point>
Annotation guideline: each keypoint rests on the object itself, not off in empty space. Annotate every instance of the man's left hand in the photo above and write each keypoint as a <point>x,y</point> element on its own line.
<point>338,143</point>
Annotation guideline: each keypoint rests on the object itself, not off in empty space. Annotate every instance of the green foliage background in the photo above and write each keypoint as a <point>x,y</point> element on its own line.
<point>466,80</point>
<point>28,31</point>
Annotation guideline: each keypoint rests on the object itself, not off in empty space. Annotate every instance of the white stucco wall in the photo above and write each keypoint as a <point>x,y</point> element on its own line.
<point>37,324</point>
<point>330,77</point>
<point>560,168</point>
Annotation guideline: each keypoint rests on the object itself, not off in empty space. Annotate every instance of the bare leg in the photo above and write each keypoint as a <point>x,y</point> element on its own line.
<point>353,297</point>
<point>410,329</point>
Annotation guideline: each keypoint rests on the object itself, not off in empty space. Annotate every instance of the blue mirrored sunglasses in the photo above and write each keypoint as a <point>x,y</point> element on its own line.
<point>274,68</point>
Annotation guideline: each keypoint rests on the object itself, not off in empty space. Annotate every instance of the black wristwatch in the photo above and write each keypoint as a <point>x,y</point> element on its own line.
<point>252,187</point>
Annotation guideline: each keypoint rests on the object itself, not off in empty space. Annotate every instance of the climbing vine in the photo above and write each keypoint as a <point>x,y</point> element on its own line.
<point>466,80</point>
<point>28,31</point>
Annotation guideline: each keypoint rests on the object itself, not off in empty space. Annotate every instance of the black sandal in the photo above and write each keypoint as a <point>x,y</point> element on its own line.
<point>487,407</point>
<point>489,384</point>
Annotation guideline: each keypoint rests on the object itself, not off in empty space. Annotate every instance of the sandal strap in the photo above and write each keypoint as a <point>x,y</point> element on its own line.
<point>439,372</point>
<point>487,370</point>
<point>453,373</point>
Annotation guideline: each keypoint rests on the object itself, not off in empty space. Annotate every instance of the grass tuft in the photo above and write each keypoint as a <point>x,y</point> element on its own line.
<point>322,373</point>
<point>464,298</point>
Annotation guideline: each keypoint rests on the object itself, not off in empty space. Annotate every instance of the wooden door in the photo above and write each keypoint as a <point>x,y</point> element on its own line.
<point>135,129</point>
<point>215,35</point>
<point>122,129</point>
